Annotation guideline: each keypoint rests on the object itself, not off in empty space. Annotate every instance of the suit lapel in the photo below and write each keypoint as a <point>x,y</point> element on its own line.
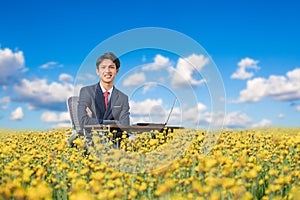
<point>99,103</point>
<point>114,97</point>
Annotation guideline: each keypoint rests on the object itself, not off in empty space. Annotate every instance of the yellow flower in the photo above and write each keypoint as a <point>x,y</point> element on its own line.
<point>72,175</point>
<point>252,174</point>
<point>27,174</point>
<point>273,172</point>
<point>197,187</point>
<point>228,183</point>
<point>19,193</point>
<point>143,187</point>
<point>124,135</point>
<point>118,182</point>
<point>161,189</point>
<point>132,194</point>
<point>215,195</point>
<point>81,195</point>
<point>84,171</point>
<point>274,188</point>
<point>190,196</point>
<point>5,192</point>
<point>41,191</point>
<point>210,163</point>
<point>252,159</point>
<point>247,196</point>
<point>78,142</point>
<point>153,142</point>
<point>94,186</point>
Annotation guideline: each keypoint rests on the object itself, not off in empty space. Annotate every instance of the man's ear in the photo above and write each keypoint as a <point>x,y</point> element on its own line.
<point>118,70</point>
<point>97,72</point>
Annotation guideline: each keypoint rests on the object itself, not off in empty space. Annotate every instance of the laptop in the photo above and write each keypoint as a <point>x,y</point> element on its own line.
<point>157,124</point>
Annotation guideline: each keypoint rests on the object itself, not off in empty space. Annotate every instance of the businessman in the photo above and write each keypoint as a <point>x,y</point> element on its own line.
<point>103,101</point>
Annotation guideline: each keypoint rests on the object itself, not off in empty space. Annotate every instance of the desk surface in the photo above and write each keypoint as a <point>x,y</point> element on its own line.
<point>133,128</point>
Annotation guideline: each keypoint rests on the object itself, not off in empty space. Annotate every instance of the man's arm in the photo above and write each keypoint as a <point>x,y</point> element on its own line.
<point>124,114</point>
<point>84,103</point>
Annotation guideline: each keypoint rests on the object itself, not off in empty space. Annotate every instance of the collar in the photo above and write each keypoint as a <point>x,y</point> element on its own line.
<point>103,89</point>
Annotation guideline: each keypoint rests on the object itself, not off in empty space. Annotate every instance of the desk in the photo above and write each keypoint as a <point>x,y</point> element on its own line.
<point>130,129</point>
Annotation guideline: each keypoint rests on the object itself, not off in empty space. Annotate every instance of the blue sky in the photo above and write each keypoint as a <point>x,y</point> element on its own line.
<point>254,45</point>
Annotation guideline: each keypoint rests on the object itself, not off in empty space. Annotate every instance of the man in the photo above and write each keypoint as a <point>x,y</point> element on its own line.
<point>102,101</point>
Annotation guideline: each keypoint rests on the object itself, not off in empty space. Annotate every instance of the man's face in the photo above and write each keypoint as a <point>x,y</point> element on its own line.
<point>107,71</point>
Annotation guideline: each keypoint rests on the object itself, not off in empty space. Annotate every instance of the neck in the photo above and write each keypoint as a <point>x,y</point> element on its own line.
<point>107,86</point>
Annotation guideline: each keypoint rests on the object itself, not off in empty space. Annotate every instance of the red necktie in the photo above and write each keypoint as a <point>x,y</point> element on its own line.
<point>106,98</point>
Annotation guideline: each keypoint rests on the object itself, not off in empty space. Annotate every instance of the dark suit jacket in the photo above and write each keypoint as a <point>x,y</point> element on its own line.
<point>92,97</point>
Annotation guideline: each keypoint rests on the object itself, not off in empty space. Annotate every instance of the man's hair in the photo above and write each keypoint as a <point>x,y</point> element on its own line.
<point>110,56</point>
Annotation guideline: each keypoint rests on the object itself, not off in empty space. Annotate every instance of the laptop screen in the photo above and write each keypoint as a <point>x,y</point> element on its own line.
<point>158,124</point>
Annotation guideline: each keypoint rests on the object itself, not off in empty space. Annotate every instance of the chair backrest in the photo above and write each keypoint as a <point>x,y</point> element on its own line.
<point>72,104</point>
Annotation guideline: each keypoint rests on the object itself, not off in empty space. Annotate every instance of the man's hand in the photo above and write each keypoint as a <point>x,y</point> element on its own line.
<point>89,112</point>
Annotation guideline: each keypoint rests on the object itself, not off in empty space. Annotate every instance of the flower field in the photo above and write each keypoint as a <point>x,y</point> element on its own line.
<point>186,164</point>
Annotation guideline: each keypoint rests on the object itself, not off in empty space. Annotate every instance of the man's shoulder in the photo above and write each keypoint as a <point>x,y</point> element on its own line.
<point>120,93</point>
<point>89,87</point>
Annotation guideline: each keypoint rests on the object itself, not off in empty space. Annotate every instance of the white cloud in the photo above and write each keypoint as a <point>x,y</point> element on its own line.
<point>50,65</point>
<point>134,79</point>
<point>294,75</point>
<point>65,78</point>
<point>194,115</point>
<point>237,119</point>
<point>153,110</point>
<point>17,114</point>
<point>148,86</point>
<point>144,107</point>
<point>197,116</point>
<point>279,88</point>
<point>176,116</point>
<point>281,116</point>
<point>4,103</point>
<point>30,107</point>
<point>87,76</point>
<point>186,68</point>
<point>219,119</point>
<point>11,66</point>
<point>64,116</point>
<point>200,116</point>
<point>159,63</point>
<point>262,123</point>
<point>142,111</point>
<point>298,108</point>
<point>246,63</point>
<point>39,94</point>
<point>4,88</point>
<point>61,125</point>
<point>53,117</point>
<point>49,117</point>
